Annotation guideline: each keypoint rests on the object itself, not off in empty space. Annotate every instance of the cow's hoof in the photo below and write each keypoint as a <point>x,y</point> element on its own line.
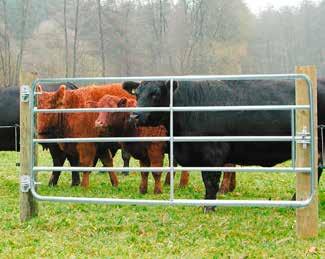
<point>84,185</point>
<point>75,183</point>
<point>158,191</point>
<point>143,191</point>
<point>223,191</point>
<point>183,184</point>
<point>51,184</point>
<point>293,197</point>
<point>208,209</point>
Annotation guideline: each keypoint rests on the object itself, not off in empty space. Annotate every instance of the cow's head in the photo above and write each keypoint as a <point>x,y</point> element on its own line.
<point>48,123</point>
<point>151,94</point>
<point>113,123</point>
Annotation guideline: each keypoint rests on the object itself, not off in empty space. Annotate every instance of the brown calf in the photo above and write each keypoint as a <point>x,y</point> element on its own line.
<point>148,153</point>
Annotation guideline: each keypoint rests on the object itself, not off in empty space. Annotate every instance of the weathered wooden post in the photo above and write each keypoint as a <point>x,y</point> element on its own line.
<point>306,218</point>
<point>28,205</point>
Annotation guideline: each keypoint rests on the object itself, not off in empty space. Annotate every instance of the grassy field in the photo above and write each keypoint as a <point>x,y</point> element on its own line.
<point>96,231</point>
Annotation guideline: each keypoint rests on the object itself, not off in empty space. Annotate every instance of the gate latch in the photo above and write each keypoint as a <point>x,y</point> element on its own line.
<point>304,138</point>
<point>25,183</point>
<point>24,93</point>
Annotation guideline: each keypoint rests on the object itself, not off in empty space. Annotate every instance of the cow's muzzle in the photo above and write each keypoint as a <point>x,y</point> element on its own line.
<point>134,118</point>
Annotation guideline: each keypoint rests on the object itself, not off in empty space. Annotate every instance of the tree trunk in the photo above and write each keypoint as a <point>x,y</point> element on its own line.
<point>2,67</point>
<point>6,56</point>
<point>66,53</point>
<point>75,40</point>
<point>101,36</point>
<point>25,4</point>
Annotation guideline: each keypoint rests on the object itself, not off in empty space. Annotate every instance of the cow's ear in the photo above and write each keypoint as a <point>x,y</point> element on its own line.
<point>130,86</point>
<point>60,94</point>
<point>122,102</point>
<point>39,89</point>
<point>131,103</point>
<point>175,85</point>
<point>91,104</point>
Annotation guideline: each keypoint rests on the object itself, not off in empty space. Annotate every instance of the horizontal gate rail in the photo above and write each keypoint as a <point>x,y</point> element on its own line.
<point>180,109</point>
<point>179,202</point>
<point>178,78</point>
<point>305,138</point>
<point>177,139</point>
<point>165,169</point>
<point>8,127</point>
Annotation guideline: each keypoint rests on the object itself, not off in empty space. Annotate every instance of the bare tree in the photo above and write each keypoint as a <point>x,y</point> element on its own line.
<point>75,40</point>
<point>66,51</point>
<point>24,5</point>
<point>6,56</point>
<point>101,36</point>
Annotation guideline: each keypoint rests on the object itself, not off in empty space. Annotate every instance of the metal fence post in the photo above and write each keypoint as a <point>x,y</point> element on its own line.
<point>306,218</point>
<point>28,205</point>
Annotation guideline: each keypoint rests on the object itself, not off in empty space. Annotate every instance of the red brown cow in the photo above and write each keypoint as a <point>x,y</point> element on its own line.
<point>148,153</point>
<point>72,125</point>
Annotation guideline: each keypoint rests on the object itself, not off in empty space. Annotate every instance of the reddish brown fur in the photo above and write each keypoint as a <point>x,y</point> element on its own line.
<point>148,153</point>
<point>229,181</point>
<point>77,124</point>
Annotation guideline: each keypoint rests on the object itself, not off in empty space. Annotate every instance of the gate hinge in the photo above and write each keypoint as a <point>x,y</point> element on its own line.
<point>304,138</point>
<point>25,183</point>
<point>24,93</point>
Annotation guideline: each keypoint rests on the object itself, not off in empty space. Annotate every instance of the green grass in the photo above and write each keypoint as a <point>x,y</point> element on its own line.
<point>81,230</point>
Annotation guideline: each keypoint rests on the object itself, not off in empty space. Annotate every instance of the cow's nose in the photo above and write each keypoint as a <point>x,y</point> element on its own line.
<point>99,124</point>
<point>134,116</point>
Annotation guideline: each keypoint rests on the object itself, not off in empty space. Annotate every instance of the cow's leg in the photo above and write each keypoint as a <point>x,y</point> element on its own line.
<point>157,176</point>
<point>107,161</point>
<point>319,172</point>
<point>156,156</point>
<point>211,182</point>
<point>58,158</point>
<point>167,179</point>
<point>75,175</point>
<point>87,156</point>
<point>158,187</point>
<point>126,160</point>
<point>144,178</point>
<point>184,179</point>
<point>228,183</point>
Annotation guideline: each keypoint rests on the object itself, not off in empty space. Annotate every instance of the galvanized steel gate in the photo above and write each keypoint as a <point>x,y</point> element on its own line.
<point>305,138</point>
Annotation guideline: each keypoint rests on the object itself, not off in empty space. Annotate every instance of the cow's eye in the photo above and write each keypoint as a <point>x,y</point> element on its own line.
<point>154,96</point>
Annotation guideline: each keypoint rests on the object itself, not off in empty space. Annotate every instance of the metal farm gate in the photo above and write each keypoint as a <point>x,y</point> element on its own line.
<point>304,138</point>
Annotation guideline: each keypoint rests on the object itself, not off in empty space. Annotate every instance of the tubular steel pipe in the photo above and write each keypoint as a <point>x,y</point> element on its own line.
<point>179,109</point>
<point>172,139</point>
<point>251,169</point>
<point>175,139</point>
<point>178,78</point>
<point>171,142</point>
<point>179,202</point>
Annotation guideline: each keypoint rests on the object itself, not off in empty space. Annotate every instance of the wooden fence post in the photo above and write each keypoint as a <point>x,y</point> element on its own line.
<point>28,205</point>
<point>306,218</point>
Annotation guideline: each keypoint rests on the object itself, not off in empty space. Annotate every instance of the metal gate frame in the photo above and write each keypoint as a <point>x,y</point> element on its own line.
<point>302,138</point>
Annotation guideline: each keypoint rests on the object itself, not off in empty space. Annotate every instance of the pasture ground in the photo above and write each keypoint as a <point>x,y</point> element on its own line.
<point>95,231</point>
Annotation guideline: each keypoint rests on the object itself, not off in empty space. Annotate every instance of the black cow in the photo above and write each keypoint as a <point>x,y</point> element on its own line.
<point>236,123</point>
